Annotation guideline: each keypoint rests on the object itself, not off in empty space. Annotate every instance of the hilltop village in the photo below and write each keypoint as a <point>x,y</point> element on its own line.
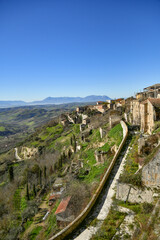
<point>142,111</point>
<point>52,177</point>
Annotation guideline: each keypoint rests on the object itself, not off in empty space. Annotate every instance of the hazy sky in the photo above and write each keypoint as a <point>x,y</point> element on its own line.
<point>78,47</point>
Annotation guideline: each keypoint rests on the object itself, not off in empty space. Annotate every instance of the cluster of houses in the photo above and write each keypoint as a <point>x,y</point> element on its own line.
<point>102,106</point>
<point>143,110</point>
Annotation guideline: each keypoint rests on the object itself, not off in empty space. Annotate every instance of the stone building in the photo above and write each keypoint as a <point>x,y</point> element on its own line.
<point>100,156</point>
<point>81,109</point>
<point>63,120</point>
<point>110,104</point>
<point>145,113</point>
<point>101,107</point>
<point>150,113</point>
<point>119,102</point>
<point>152,91</point>
<point>143,108</point>
<point>128,109</point>
<point>149,92</point>
<point>114,118</point>
<point>135,110</point>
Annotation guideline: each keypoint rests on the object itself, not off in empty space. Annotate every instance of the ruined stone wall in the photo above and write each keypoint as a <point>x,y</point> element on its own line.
<point>114,120</point>
<point>142,117</point>
<point>136,112</point>
<point>151,114</point>
<point>147,119</point>
<point>102,132</point>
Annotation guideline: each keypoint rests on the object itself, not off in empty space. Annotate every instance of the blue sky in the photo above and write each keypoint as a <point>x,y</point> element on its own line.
<point>78,47</point>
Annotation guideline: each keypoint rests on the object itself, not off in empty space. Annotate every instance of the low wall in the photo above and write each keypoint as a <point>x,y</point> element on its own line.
<point>73,225</point>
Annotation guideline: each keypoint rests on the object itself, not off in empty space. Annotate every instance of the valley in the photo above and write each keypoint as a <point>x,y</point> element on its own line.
<point>17,123</point>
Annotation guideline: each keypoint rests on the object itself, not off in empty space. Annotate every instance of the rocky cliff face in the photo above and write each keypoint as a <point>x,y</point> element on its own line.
<point>150,172</point>
<point>127,192</point>
<point>28,153</point>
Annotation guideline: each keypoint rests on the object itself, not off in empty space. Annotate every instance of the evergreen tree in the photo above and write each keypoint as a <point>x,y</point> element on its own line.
<point>51,170</point>
<point>71,141</point>
<point>27,192</point>
<point>69,153</point>
<point>55,167</point>
<point>45,175</point>
<point>74,138</point>
<point>40,177</point>
<point>11,174</point>
<point>75,145</point>
<point>40,150</point>
<point>34,190</point>
<point>64,157</point>
<point>60,163</point>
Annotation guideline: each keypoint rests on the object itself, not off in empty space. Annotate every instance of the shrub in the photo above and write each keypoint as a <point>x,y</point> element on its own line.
<point>79,193</point>
<point>30,211</point>
<point>134,179</point>
<point>34,233</point>
<point>147,207</point>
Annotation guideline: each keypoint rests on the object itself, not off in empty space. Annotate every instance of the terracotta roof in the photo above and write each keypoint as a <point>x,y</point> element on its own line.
<point>119,99</point>
<point>63,205</point>
<point>155,101</point>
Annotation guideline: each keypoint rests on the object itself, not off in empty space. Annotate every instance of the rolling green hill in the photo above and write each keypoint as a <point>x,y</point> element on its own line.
<point>16,123</point>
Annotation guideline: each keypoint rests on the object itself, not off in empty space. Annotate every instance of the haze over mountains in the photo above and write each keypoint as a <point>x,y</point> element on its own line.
<point>54,100</point>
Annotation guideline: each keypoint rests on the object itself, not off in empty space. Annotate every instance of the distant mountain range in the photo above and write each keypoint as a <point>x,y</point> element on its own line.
<point>54,100</point>
<point>4,104</point>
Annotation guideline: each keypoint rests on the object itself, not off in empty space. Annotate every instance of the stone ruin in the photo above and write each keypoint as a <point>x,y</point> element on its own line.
<point>76,166</point>
<point>102,132</point>
<point>100,156</point>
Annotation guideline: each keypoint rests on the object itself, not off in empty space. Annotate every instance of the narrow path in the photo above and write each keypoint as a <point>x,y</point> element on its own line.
<point>101,209</point>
